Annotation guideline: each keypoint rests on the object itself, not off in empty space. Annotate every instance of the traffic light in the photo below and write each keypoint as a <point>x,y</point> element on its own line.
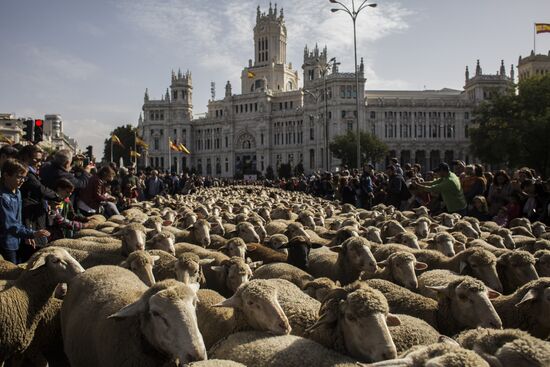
<point>38,131</point>
<point>89,152</point>
<point>28,130</point>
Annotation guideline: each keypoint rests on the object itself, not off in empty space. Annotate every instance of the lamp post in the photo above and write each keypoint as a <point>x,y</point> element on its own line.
<point>353,13</point>
<point>325,67</point>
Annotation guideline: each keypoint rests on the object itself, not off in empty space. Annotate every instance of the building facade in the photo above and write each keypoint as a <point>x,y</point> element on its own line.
<point>274,120</point>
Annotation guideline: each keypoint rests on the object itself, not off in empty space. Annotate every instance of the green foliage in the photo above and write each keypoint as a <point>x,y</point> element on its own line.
<point>269,174</point>
<point>284,170</point>
<point>126,136</point>
<point>515,129</point>
<point>344,147</point>
<point>299,169</point>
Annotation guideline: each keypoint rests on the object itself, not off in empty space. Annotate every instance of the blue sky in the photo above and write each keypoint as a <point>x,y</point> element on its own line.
<point>90,61</point>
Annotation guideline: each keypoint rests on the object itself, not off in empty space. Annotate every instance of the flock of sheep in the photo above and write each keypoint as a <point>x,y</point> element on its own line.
<point>257,276</point>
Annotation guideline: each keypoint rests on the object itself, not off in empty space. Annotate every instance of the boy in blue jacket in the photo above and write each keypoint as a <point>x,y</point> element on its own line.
<point>12,230</point>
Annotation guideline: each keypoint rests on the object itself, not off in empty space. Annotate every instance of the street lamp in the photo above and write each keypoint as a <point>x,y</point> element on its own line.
<point>353,13</point>
<point>325,67</point>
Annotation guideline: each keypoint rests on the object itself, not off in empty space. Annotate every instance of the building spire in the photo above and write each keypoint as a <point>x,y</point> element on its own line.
<point>512,73</point>
<point>362,67</point>
<point>478,68</point>
<point>179,73</point>
<point>146,97</point>
<point>502,69</point>
<point>167,95</point>
<point>467,74</point>
<point>282,13</point>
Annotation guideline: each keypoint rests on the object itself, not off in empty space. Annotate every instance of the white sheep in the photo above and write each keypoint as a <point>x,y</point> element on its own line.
<point>108,314</point>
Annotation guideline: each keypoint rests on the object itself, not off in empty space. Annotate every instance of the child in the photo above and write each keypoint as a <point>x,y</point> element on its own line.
<point>12,230</point>
<point>502,217</point>
<point>62,218</point>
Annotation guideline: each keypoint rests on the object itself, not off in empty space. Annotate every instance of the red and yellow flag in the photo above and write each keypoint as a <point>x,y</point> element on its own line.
<point>183,149</point>
<point>133,153</point>
<point>116,140</point>
<point>250,74</point>
<point>542,27</point>
<point>172,145</point>
<point>140,142</point>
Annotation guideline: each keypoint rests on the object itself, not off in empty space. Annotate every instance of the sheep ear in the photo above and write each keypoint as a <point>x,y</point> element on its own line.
<point>218,268</point>
<point>492,294</point>
<point>41,261</point>
<point>383,263</point>
<point>337,249</point>
<point>130,310</point>
<point>420,266</point>
<point>233,302</point>
<point>439,289</point>
<point>531,295</point>
<point>124,264</point>
<point>325,318</point>
<point>251,248</point>
<point>155,258</point>
<point>315,245</point>
<point>392,320</point>
<point>206,261</point>
<point>463,265</point>
<point>447,340</point>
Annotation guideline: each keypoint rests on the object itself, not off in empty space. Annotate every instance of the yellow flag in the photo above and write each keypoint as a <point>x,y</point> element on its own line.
<point>172,146</point>
<point>542,27</point>
<point>140,142</point>
<point>134,154</point>
<point>183,149</point>
<point>250,74</point>
<point>116,140</point>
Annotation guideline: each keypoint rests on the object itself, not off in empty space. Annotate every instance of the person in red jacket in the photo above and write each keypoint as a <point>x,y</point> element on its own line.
<point>96,196</point>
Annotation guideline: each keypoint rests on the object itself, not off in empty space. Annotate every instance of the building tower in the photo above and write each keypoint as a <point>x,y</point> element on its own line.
<point>312,67</point>
<point>482,86</point>
<point>533,65</point>
<point>182,95</point>
<point>269,71</point>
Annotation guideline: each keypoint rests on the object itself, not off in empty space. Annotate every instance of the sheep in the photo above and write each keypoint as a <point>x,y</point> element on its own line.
<point>442,242</point>
<point>347,312</point>
<point>406,238</point>
<point>229,275</point>
<point>391,228</point>
<point>254,306</point>
<point>539,229</point>
<point>421,227</point>
<point>521,222</point>
<point>200,251</point>
<point>198,234</point>
<point>88,232</point>
<point>319,288</point>
<point>528,308</point>
<point>108,314</point>
<point>216,363</point>
<point>345,262</point>
<point>436,355</point>
<point>521,241</point>
<point>521,231</point>
<point>543,263</point>
<point>234,247</point>
<point>259,252</point>
<point>508,347</point>
<point>260,349</point>
<point>515,268</point>
<point>496,241</point>
<point>506,234</point>
<point>306,218</point>
<point>463,303</point>
<point>276,241</point>
<point>141,263</point>
<point>398,268</point>
<point>533,247</point>
<point>22,304</point>
<point>281,213</point>
<point>247,232</point>
<point>283,271</point>
<point>476,262</point>
<point>162,241</point>
<point>372,234</point>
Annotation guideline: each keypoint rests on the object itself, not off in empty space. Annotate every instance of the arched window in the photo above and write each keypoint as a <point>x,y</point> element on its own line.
<point>289,86</point>
<point>246,144</point>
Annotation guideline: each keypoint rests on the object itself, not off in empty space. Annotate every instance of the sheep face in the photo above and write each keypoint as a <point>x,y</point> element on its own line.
<point>445,244</point>
<point>217,226</point>
<point>133,239</point>
<point>539,301</point>
<point>356,254</point>
<point>277,241</point>
<point>422,228</point>
<point>258,302</point>
<point>319,288</point>
<point>188,269</point>
<point>235,272</point>
<point>264,213</point>
<point>466,229</point>
<point>402,267</point>
<point>298,252</point>
<point>235,247</point>
<point>201,232</point>
<point>356,317</point>
<point>519,266</point>
<point>373,235</point>
<point>470,303</point>
<point>189,220</point>
<point>141,264</point>
<point>164,242</point>
<point>179,338</point>
<point>247,232</point>
<point>482,265</point>
<point>62,266</point>
<point>538,229</point>
<point>260,230</point>
<point>295,230</point>
<point>307,220</point>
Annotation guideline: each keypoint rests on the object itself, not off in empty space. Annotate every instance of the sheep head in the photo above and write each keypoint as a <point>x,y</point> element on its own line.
<point>234,247</point>
<point>174,301</point>
<point>320,287</point>
<point>188,268</point>
<point>258,302</point>
<point>402,266</point>
<point>481,264</point>
<point>235,271</point>
<point>519,267</point>
<point>141,263</point>
<point>356,254</point>
<point>543,262</point>
<point>61,266</point>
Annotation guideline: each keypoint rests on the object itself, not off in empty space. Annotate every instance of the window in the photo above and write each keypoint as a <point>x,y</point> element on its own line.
<point>372,114</point>
<point>342,91</point>
<point>156,143</point>
<point>262,138</point>
<point>311,74</point>
<point>208,166</point>
<point>350,126</point>
<point>226,165</point>
<point>175,133</point>
<point>343,113</point>
<point>152,131</point>
<point>466,115</point>
<point>151,115</point>
<point>175,94</point>
<point>199,166</point>
<point>218,167</point>
<point>161,131</point>
<point>226,142</point>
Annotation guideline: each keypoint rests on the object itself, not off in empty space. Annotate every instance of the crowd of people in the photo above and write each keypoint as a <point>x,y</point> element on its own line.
<point>44,198</point>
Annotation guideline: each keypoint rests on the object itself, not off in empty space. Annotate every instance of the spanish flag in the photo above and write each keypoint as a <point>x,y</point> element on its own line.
<point>133,153</point>
<point>117,141</point>
<point>250,74</point>
<point>172,145</point>
<point>183,149</point>
<point>140,142</point>
<point>542,27</point>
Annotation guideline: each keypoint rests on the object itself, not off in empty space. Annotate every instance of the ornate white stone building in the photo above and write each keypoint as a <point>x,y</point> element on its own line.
<point>274,120</point>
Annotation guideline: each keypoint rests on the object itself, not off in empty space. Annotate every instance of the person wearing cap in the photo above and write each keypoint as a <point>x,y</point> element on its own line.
<point>448,186</point>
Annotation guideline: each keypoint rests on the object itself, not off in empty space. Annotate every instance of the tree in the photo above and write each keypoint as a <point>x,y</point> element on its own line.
<point>514,130</point>
<point>126,136</point>
<point>344,147</point>
<point>284,170</point>
<point>298,170</point>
